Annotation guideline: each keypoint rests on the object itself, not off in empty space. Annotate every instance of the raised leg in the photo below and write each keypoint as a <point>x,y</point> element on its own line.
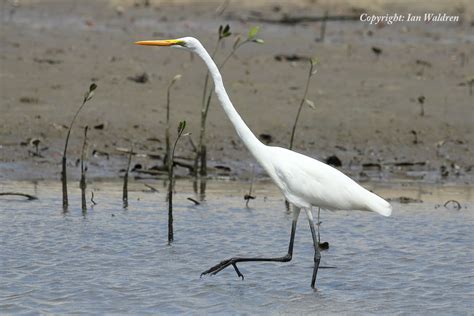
<point>233,261</point>
<point>317,254</point>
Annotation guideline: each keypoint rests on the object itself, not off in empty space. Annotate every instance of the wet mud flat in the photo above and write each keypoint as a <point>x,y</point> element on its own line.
<point>115,260</point>
<point>391,100</point>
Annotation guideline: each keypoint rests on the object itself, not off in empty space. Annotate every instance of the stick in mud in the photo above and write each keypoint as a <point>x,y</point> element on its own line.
<point>125,180</point>
<point>92,199</point>
<point>83,184</point>
<point>167,131</point>
<point>194,201</point>
<point>152,188</point>
<point>87,97</point>
<point>28,196</point>
<point>321,245</point>
<point>249,196</point>
<point>181,127</point>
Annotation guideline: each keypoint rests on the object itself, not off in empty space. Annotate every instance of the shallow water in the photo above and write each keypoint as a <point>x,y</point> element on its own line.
<point>113,260</point>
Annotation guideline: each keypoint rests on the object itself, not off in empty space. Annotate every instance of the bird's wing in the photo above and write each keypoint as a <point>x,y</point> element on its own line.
<point>306,181</point>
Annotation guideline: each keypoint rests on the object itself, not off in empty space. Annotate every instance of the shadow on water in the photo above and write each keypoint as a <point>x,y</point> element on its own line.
<point>115,260</point>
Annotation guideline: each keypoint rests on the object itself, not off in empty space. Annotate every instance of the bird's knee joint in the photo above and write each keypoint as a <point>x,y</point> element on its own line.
<point>287,258</point>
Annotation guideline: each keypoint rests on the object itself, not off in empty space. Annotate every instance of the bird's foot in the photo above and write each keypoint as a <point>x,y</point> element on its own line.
<point>221,266</point>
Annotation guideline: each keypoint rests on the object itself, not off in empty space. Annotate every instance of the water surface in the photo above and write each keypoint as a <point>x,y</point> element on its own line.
<point>115,260</point>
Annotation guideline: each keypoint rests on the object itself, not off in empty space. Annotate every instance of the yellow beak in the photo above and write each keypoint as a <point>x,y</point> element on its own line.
<point>169,42</point>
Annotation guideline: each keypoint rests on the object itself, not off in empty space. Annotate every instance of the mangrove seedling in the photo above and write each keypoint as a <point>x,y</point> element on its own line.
<point>125,180</point>
<point>167,132</point>
<point>87,97</point>
<point>321,245</point>
<point>201,152</point>
<point>249,196</point>
<point>83,184</point>
<point>312,71</point>
<point>181,127</point>
<point>223,32</point>
<point>304,100</point>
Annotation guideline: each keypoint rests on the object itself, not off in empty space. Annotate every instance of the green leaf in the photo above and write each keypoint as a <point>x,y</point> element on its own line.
<point>181,126</point>
<point>90,93</point>
<point>258,41</point>
<point>224,31</point>
<point>314,61</point>
<point>253,32</point>
<point>226,28</point>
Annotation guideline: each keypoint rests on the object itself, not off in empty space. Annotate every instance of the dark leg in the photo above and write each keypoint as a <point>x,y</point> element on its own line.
<point>233,261</point>
<point>317,254</point>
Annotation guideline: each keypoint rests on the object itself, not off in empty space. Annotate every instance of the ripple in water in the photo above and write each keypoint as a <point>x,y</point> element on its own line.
<point>420,260</point>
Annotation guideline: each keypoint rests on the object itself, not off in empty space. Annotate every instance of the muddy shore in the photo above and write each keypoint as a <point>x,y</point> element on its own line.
<point>392,101</point>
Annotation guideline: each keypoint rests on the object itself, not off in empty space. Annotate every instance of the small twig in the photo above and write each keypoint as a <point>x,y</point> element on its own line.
<point>92,198</point>
<point>153,189</point>
<point>458,205</point>
<point>194,201</point>
<point>28,196</point>
<point>184,165</point>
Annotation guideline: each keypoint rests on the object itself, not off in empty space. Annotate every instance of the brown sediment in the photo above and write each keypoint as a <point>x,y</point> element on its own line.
<point>367,106</point>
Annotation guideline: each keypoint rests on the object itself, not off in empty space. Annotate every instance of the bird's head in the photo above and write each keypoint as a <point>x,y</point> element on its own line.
<point>187,43</point>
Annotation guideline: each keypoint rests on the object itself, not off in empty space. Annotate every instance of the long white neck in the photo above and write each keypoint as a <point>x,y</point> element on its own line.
<point>248,138</point>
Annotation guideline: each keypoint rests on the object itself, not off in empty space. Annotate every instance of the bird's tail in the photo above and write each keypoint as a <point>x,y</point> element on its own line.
<point>376,204</point>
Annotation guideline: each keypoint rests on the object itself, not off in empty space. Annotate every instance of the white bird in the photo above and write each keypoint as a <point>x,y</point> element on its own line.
<point>304,181</point>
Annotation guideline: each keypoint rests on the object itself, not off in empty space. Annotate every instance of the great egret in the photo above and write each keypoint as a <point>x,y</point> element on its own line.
<point>304,181</point>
